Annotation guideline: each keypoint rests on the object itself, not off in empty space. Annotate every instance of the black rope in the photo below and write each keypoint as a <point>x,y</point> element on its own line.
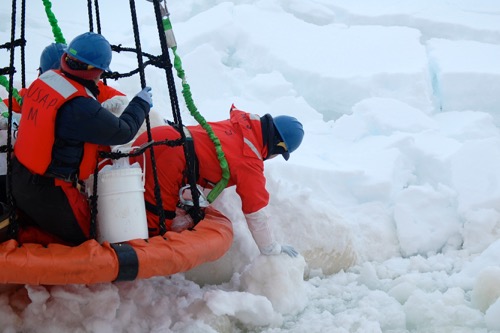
<point>4,148</point>
<point>156,61</point>
<point>174,103</point>
<point>168,70</point>
<point>23,47</point>
<point>191,175</point>
<point>97,16</point>
<point>137,41</point>
<point>196,213</point>
<point>98,21</point>
<point>114,155</point>
<point>16,42</point>
<point>13,225</point>
<point>7,71</point>
<point>157,190</point>
<point>119,48</point>
<point>89,11</point>
<point>93,205</point>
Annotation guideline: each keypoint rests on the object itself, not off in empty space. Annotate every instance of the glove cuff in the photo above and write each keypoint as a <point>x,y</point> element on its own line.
<point>272,249</point>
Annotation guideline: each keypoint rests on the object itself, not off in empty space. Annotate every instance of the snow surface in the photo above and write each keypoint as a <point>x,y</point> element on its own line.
<point>393,199</point>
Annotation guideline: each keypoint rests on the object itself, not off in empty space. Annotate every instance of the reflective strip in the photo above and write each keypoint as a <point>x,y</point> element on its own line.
<point>89,93</point>
<point>254,116</point>
<point>252,147</point>
<point>58,83</point>
<point>187,133</point>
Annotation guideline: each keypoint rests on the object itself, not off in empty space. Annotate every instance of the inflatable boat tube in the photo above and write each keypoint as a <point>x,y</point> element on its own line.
<point>91,262</point>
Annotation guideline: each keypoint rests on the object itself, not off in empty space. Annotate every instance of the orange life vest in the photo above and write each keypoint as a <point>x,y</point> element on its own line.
<point>36,134</point>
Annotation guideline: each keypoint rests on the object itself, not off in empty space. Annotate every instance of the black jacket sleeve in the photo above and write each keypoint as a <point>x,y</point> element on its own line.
<point>83,119</point>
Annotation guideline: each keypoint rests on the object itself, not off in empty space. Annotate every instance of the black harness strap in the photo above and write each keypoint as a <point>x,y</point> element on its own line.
<point>191,174</point>
<point>169,214</point>
<point>128,262</point>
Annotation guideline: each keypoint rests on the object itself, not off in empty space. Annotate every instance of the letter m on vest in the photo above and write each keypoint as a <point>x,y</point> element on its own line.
<point>32,114</point>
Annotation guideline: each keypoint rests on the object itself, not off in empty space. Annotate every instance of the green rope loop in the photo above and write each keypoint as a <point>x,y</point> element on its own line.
<point>186,93</point>
<point>58,36</point>
<point>15,93</point>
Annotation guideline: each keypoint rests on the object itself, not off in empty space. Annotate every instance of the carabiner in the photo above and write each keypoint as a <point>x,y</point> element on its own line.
<point>203,202</point>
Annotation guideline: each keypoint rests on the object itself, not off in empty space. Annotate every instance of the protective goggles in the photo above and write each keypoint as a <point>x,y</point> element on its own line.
<point>77,64</point>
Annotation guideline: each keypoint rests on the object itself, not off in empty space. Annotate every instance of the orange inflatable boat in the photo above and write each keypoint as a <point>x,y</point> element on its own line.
<point>91,262</point>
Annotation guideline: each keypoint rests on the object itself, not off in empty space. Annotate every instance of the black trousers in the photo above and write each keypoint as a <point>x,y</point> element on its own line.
<point>45,204</point>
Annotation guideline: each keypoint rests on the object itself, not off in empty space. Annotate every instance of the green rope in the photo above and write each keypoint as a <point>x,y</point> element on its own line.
<point>58,36</point>
<point>4,82</point>
<point>186,92</point>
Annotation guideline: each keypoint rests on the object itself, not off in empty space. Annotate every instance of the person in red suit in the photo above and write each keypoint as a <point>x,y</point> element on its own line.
<point>247,141</point>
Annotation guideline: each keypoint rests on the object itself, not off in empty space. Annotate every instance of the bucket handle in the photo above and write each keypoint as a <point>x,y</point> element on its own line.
<point>127,150</point>
<point>144,166</point>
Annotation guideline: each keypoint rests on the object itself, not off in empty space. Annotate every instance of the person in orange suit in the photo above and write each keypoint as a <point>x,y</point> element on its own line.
<point>247,141</point>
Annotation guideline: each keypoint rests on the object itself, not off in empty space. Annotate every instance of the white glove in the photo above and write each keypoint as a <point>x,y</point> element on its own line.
<point>288,249</point>
<point>116,104</point>
<point>276,249</point>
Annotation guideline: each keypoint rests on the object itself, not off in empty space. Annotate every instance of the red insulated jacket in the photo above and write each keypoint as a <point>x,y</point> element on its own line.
<point>242,143</point>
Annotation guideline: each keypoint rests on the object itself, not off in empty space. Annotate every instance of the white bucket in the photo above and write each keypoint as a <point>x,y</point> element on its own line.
<point>121,212</point>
